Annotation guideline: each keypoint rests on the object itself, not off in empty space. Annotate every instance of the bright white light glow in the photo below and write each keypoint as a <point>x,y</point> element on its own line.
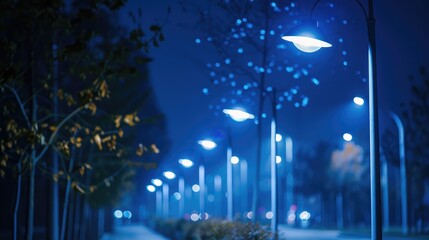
<point>207,144</point>
<point>203,216</point>
<point>195,188</point>
<point>169,174</point>
<point>304,216</point>
<point>235,160</point>
<point>269,215</point>
<point>177,196</point>
<point>157,182</point>
<point>118,214</point>
<point>127,214</point>
<point>347,137</point>
<point>278,137</point>
<point>150,188</point>
<point>307,44</point>
<point>278,159</point>
<point>358,101</point>
<point>194,217</point>
<point>238,115</point>
<point>187,163</point>
<point>249,215</point>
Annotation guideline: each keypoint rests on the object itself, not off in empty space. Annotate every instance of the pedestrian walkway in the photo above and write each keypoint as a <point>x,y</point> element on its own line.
<point>133,232</point>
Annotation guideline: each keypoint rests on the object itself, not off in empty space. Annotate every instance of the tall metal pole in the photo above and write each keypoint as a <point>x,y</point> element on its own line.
<point>244,186</point>
<point>274,191</point>
<point>403,172</point>
<point>165,200</point>
<point>218,195</point>
<point>182,197</point>
<point>201,172</point>
<point>229,181</point>
<point>376,223</point>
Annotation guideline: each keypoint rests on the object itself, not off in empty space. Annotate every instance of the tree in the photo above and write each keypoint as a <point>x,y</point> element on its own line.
<point>62,60</point>
<point>416,116</point>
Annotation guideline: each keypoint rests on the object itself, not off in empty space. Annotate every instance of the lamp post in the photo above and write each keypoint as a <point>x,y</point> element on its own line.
<point>237,115</point>
<point>186,163</point>
<point>311,42</point>
<point>402,165</point>
<point>206,144</point>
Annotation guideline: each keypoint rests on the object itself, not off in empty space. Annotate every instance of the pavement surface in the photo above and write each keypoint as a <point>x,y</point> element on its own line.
<point>133,232</point>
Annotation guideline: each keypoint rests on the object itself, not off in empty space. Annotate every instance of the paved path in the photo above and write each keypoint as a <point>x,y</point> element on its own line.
<point>133,232</point>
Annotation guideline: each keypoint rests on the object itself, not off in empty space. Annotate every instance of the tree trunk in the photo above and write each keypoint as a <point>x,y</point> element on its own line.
<point>17,202</point>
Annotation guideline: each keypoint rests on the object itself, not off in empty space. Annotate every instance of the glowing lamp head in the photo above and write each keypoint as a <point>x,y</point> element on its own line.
<point>207,144</point>
<point>307,37</point>
<point>157,182</point>
<point>238,115</point>
<point>235,160</point>
<point>187,163</point>
<point>169,174</point>
<point>358,101</point>
<point>347,137</point>
<point>150,188</point>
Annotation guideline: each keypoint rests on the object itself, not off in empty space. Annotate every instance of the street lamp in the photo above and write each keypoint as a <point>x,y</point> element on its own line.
<point>206,144</point>
<point>311,42</point>
<point>238,115</point>
<point>402,165</point>
<point>186,163</point>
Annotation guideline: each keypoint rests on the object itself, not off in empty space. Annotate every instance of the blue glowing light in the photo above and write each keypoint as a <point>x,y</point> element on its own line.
<point>305,101</point>
<point>269,89</point>
<point>217,64</point>
<point>212,74</point>
<point>261,69</point>
<point>197,40</point>
<point>223,79</point>
<point>289,69</point>
<point>315,81</point>
<point>227,61</point>
<point>344,22</point>
<point>205,91</point>
<point>118,214</point>
<point>238,22</point>
<point>345,63</point>
<point>231,75</point>
<point>262,37</point>
<point>272,32</point>
<point>233,84</point>
<point>264,115</point>
<point>249,64</point>
<point>297,105</point>
<point>304,71</point>
<point>240,50</point>
<point>262,32</point>
<point>297,75</point>
<point>340,40</point>
<point>344,53</point>
<point>249,25</point>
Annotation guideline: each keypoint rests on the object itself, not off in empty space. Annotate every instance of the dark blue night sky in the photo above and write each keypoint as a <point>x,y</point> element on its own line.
<point>179,75</point>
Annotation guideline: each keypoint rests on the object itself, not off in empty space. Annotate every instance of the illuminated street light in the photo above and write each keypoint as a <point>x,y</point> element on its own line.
<point>187,163</point>
<point>157,182</point>
<point>207,144</point>
<point>347,137</point>
<point>358,101</point>
<point>151,188</point>
<point>235,160</point>
<point>238,115</point>
<point>313,42</point>
<point>169,174</point>
<point>278,137</point>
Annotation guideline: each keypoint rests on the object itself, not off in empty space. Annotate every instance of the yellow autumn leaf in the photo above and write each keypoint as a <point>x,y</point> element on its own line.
<point>129,119</point>
<point>118,121</point>
<point>97,140</point>
<point>78,142</point>
<point>92,107</point>
<point>70,100</point>
<point>104,89</point>
<point>87,131</point>
<point>121,133</point>
<point>52,128</point>
<point>154,148</point>
<point>55,177</point>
